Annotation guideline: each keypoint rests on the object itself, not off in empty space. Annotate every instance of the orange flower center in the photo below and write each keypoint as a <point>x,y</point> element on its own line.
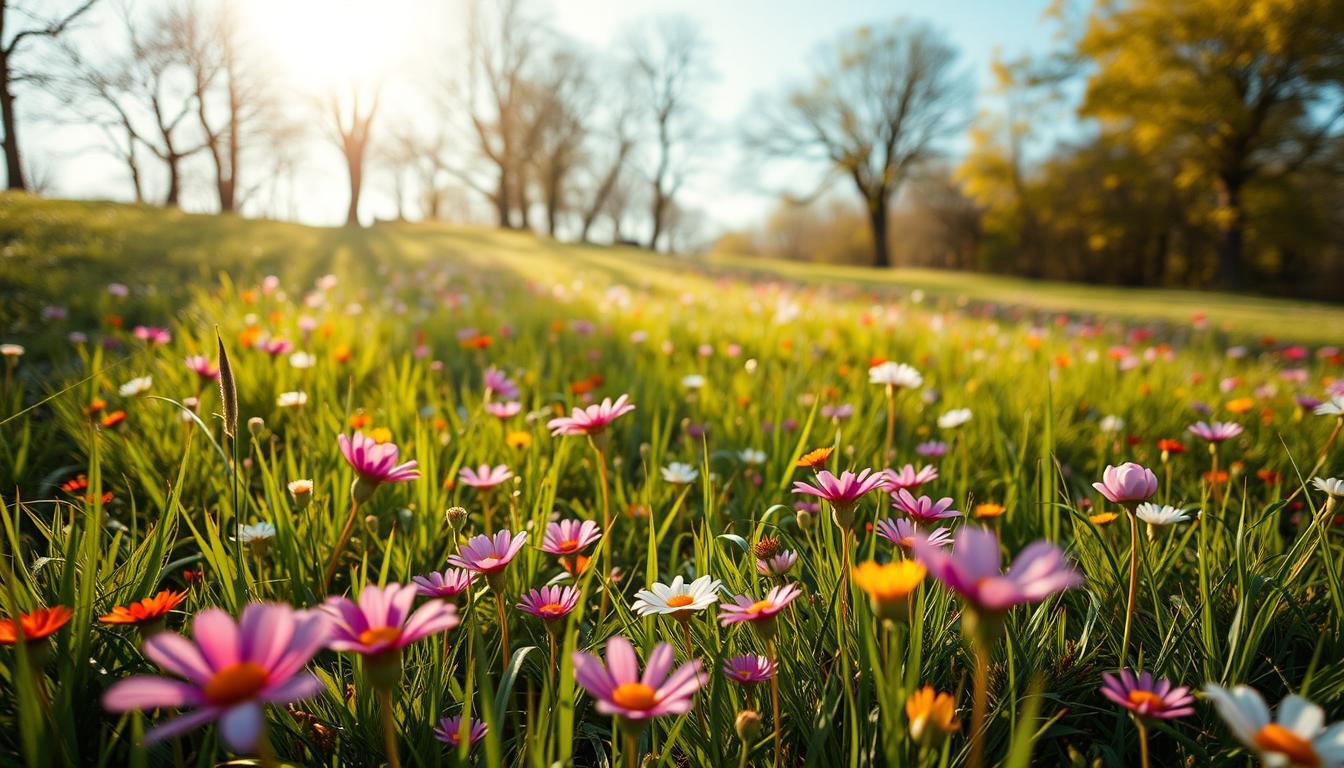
<point>235,683</point>
<point>379,635</point>
<point>1155,703</point>
<point>760,605</point>
<point>679,601</point>
<point>551,609</point>
<point>634,696</point>
<point>569,545</point>
<point>1276,738</point>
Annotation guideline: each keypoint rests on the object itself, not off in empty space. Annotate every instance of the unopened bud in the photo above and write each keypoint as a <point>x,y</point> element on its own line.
<point>455,517</point>
<point>256,425</point>
<point>748,725</point>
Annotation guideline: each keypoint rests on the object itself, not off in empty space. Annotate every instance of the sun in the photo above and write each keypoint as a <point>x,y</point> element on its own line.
<point>319,46</point>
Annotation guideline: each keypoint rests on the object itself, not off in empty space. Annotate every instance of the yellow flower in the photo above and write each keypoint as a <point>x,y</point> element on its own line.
<point>814,457</point>
<point>1102,518</point>
<point>932,715</point>
<point>889,586</point>
<point>1240,405</point>
<point>380,435</point>
<point>518,439</point>
<point>988,509</point>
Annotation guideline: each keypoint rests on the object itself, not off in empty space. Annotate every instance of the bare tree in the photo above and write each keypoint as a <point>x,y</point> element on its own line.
<point>877,102</point>
<point>20,25</point>
<point>668,59</point>
<point>562,96</point>
<point>349,125</point>
<point>618,138</point>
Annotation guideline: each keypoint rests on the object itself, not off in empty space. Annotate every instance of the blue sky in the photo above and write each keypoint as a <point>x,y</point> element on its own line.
<point>755,46</point>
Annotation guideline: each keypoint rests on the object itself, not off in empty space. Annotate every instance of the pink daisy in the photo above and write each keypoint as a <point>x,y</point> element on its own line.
<point>484,555</point>
<point>908,477</point>
<point>591,420</point>
<point>903,533</point>
<point>760,612</point>
<point>484,476</point>
<point>569,536</point>
<point>923,509</point>
<point>445,585</point>
<point>382,620</point>
<point>450,731</point>
<point>1147,697</point>
<point>375,463</point>
<point>621,691</point>
<point>549,603</point>
<point>748,669</point>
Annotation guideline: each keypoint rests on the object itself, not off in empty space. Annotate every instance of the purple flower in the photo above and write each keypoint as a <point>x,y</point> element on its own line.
<point>375,463</point>
<point>382,621</point>
<point>445,585</point>
<point>231,670</point>
<point>569,536</point>
<point>549,603</point>
<point>621,691</point>
<point>908,477</point>
<point>1127,484</point>
<point>924,509</point>
<point>499,385</point>
<point>971,570</point>
<point>903,533</point>
<point>450,731</point>
<point>591,420</point>
<point>1215,431</point>
<point>932,449</point>
<point>778,565</point>
<point>744,608</point>
<point>748,669</point>
<point>487,556</point>
<point>1145,697</point>
<point>484,476</point>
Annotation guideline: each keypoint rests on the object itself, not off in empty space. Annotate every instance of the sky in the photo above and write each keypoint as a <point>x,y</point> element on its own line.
<point>755,46</point>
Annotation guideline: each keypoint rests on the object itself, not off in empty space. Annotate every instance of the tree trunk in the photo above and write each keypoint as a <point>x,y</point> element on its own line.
<point>174,179</point>
<point>1231,232</point>
<point>13,163</point>
<point>354,161</point>
<point>659,212</point>
<point>877,222</point>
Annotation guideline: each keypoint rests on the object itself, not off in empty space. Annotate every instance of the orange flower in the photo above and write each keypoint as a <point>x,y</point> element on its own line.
<point>815,457</point>
<point>1240,405</point>
<point>113,419</point>
<point>1062,361</point>
<point>145,611</point>
<point>1033,342</point>
<point>1102,518</point>
<point>1267,475</point>
<point>327,329</point>
<point>988,509</point>
<point>521,440</point>
<point>194,575</point>
<point>1215,479</point>
<point>477,342</point>
<point>1170,446</point>
<point>35,625</point>
<point>96,405</point>
<point>112,320</point>
<point>359,420</point>
<point>248,337</point>
<point>78,484</point>
<point>440,424</point>
<point>575,565</point>
<point>341,353</point>
<point>248,297</point>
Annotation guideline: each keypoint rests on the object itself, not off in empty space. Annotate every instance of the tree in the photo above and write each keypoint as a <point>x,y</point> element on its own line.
<point>349,125</point>
<point>877,102</point>
<point>667,56</point>
<point>562,96</point>
<point>20,25</point>
<point>608,167</point>
<point>1247,90</point>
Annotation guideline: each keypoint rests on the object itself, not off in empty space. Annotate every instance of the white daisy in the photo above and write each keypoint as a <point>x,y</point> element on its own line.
<point>291,399</point>
<point>256,532</point>
<point>1297,737</point>
<point>678,599</point>
<point>137,386</point>
<point>302,360</point>
<point>300,487</point>
<point>895,375</point>
<point>1332,407</point>
<point>11,350</point>
<point>750,456</point>
<point>1332,486</point>
<point>1163,514</point>
<point>693,381</point>
<point>1112,424</point>
<point>677,473</point>
<point>954,418</point>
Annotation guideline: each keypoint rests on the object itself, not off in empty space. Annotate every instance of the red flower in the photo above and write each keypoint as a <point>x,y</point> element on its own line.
<point>146,610</point>
<point>35,625</point>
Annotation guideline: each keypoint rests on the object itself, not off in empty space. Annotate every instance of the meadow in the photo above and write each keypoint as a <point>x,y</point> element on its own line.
<point>214,548</point>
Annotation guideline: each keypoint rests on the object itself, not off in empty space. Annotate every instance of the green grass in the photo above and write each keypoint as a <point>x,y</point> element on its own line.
<point>1250,594</point>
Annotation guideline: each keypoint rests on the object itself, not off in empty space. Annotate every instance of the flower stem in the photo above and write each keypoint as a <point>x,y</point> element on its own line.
<point>631,750</point>
<point>1133,585</point>
<point>389,728</point>
<point>340,546</point>
<point>1143,742</point>
<point>606,525</point>
<point>504,631</point>
<point>979,705</point>
<point>774,705</point>
<point>891,425</point>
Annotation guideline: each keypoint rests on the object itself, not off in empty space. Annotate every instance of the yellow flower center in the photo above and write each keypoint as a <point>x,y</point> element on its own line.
<point>551,609</point>
<point>760,605</point>
<point>1276,738</point>
<point>379,635</point>
<point>1155,703</point>
<point>679,601</point>
<point>634,696</point>
<point>235,683</point>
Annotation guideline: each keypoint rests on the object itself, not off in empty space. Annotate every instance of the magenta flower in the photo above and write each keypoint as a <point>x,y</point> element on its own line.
<point>923,509</point>
<point>761,612</point>
<point>450,731</point>
<point>484,476</point>
<point>778,565</point>
<point>504,410</point>
<point>1145,697</point>
<point>374,463</point>
<point>1215,431</point>
<point>201,366</point>
<point>903,533</point>
<point>382,621</point>
<point>932,449</point>
<point>231,670</point>
<point>908,477</point>
<point>971,570</point>
<point>497,384</point>
<point>591,420</point>
<point>488,556</point>
<point>445,585</point>
<point>842,492</point>
<point>152,334</point>
<point>549,603</point>
<point>274,347</point>
<point>748,669</point>
<point>621,691</point>
<point>1128,483</point>
<point>569,536</point>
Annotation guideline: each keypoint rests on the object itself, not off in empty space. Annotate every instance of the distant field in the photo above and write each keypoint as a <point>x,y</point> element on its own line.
<point>51,246</point>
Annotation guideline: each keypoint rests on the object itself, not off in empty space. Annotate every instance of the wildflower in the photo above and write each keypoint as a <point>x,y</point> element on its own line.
<point>136,386</point>
<point>445,585</point>
<point>1102,518</point>
<point>549,603</point>
<point>842,492</point>
<point>752,457</point>
<point>903,533</point>
<point>592,420</point>
<point>504,410</point>
<point>302,360</point>
<point>11,351</point>
<point>517,439</point>
<point>761,613</point>
<point>889,586</point>
<point>924,509</point>
<point>1112,424</point>
<point>971,570</point>
<point>954,418</point>
<point>1298,737</point>
<point>1170,446</point>
<point>1332,407</point>
<point>678,473</point>
<point>1147,697</point>
<point>231,670</point>
<point>257,536</point>
<point>489,557</point>
<point>1330,486</point>
<point>202,367</point>
<point>814,458</point>
<point>112,418</point>
<point>1127,484</point>
<point>497,384</point>
<point>292,399</point>
<point>148,613</point>
<point>302,493</point>
<point>1215,431</point>
<point>908,477</point>
<point>932,716</point>
<point>1161,514</point>
<point>987,510</point>
<point>1239,405</point>
<point>569,536</point>
<point>152,334</point>
<point>484,476</point>
<point>749,669</point>
<point>777,565</point>
<point>381,624</point>
<point>620,691</point>
<point>747,724</point>
<point>450,731</point>
<point>374,464</point>
<point>35,625</point>
<point>693,381</point>
<point>897,375</point>
<point>680,599</point>
<point>931,449</point>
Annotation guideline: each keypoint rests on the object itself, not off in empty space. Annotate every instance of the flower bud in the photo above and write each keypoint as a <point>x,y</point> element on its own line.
<point>256,425</point>
<point>748,725</point>
<point>766,548</point>
<point>455,517</point>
